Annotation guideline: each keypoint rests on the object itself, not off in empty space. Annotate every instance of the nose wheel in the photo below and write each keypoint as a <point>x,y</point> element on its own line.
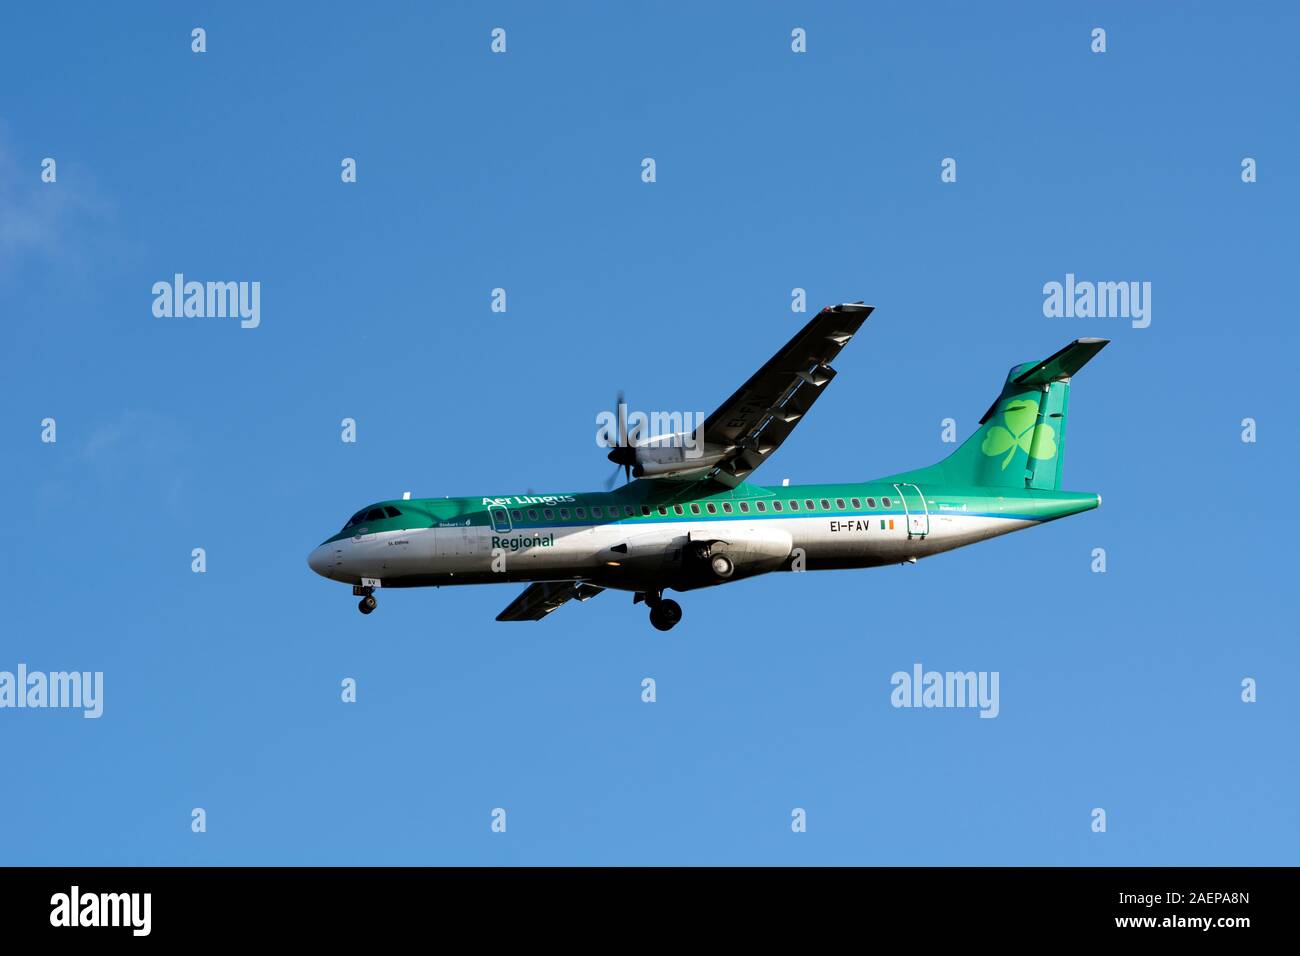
<point>367,602</point>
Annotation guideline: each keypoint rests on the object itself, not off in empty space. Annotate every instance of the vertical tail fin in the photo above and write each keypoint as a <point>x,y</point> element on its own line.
<point>1021,439</point>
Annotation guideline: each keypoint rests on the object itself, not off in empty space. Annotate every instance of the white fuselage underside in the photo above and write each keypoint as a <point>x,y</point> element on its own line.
<point>475,554</point>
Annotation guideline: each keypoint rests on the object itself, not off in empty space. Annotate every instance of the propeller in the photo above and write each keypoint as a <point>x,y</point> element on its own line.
<point>623,454</point>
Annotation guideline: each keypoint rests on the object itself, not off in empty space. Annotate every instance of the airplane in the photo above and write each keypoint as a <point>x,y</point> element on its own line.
<point>688,516</point>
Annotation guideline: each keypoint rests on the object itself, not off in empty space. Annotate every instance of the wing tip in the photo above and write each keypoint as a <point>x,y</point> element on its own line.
<point>855,307</point>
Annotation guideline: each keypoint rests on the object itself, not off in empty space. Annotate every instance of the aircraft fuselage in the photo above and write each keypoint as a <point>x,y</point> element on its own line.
<point>648,539</point>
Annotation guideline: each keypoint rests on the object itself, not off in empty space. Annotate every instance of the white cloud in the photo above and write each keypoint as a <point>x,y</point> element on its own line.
<point>56,221</point>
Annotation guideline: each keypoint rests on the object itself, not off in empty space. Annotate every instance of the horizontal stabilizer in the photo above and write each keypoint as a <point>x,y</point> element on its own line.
<point>1063,364</point>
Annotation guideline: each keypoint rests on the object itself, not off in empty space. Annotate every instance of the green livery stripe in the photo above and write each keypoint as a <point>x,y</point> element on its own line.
<point>643,496</point>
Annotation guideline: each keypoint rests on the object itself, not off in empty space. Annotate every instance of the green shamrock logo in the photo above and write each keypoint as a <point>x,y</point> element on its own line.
<point>1018,419</point>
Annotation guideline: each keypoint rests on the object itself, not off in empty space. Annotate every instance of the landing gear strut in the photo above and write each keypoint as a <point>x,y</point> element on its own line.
<point>368,602</point>
<point>664,612</point>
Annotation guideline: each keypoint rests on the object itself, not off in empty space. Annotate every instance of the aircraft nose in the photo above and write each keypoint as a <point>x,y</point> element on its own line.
<point>319,560</point>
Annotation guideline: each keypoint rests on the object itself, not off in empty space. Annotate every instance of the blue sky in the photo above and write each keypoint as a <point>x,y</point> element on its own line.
<point>774,171</point>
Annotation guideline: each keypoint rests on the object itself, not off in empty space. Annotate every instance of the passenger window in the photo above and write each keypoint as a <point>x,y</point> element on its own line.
<point>794,506</point>
<point>645,511</point>
<point>886,503</point>
<point>776,506</point>
<point>871,502</point>
<point>744,506</point>
<point>516,516</point>
<point>760,506</point>
<point>826,505</point>
<point>839,503</point>
<point>549,514</point>
<point>532,514</point>
<point>713,509</point>
<point>581,513</point>
<point>726,506</point>
<point>695,509</point>
<point>596,512</point>
<point>809,505</point>
<point>629,511</point>
<point>564,514</point>
<point>678,509</point>
<point>663,511</point>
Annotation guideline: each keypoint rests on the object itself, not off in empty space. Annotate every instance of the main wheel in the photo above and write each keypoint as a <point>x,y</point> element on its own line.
<point>367,604</point>
<point>722,565</point>
<point>665,614</point>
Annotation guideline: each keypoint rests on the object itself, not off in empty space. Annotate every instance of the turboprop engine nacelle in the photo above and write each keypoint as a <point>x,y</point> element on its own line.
<point>679,455</point>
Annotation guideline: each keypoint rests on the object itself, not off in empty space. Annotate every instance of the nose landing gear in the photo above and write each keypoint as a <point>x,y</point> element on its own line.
<point>367,602</point>
<point>664,612</point>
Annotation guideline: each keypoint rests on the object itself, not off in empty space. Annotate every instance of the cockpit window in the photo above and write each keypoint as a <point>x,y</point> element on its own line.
<point>357,518</point>
<point>391,511</point>
<point>376,514</point>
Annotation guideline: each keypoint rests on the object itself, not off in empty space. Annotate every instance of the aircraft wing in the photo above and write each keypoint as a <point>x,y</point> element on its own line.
<point>754,422</point>
<point>540,599</point>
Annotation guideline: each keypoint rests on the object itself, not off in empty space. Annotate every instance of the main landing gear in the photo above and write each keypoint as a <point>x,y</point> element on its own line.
<point>719,562</point>
<point>664,612</point>
<point>368,602</point>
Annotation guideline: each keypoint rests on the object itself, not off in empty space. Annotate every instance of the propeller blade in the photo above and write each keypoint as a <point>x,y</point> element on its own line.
<point>623,455</point>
